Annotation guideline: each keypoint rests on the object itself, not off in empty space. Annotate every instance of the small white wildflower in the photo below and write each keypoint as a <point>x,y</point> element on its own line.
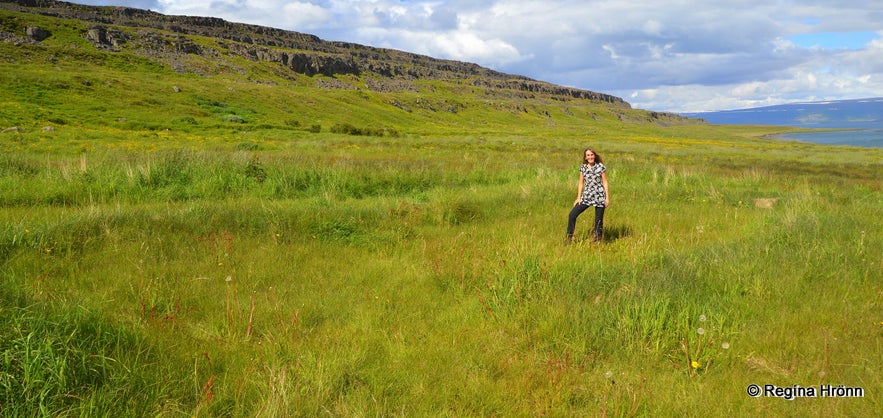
<point>702,318</point>
<point>608,375</point>
<point>700,331</point>
<point>229,279</point>
<point>725,346</point>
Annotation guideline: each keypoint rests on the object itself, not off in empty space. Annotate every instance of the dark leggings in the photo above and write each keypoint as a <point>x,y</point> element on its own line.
<point>597,230</point>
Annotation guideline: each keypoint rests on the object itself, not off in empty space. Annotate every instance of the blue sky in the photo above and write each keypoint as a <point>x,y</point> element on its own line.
<point>665,55</point>
<point>834,40</point>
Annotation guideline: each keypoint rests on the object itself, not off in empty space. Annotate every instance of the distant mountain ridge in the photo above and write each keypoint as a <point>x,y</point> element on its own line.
<point>848,114</point>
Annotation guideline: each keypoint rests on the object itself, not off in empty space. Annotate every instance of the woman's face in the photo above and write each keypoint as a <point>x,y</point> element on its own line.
<point>590,156</point>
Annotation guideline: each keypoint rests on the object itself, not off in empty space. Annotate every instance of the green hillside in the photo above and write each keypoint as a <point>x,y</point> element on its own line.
<point>65,80</point>
<point>193,228</point>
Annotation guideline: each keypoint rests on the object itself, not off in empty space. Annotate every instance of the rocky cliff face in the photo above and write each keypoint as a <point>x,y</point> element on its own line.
<point>170,40</point>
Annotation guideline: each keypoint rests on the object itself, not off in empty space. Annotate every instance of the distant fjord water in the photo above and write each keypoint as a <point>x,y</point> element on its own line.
<point>861,120</point>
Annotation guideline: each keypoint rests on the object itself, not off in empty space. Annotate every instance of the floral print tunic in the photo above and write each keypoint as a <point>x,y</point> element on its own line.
<point>593,191</point>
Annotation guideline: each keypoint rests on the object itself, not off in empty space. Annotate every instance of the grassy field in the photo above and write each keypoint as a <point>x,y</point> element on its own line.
<point>351,277</point>
<point>176,245</point>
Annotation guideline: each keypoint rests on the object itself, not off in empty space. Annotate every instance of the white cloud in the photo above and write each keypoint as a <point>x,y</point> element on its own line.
<point>304,15</point>
<point>676,55</point>
<point>455,45</point>
<point>466,46</point>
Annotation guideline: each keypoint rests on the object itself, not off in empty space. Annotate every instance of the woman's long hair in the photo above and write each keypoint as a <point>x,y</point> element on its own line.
<point>597,156</point>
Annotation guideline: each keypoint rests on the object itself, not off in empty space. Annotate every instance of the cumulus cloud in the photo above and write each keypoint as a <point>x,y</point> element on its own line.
<point>671,55</point>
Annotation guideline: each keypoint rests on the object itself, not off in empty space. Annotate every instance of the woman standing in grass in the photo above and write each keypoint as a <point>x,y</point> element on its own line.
<point>591,191</point>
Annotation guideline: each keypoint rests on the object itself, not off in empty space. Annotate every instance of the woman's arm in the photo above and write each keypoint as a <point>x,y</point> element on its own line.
<point>606,189</point>
<point>579,189</point>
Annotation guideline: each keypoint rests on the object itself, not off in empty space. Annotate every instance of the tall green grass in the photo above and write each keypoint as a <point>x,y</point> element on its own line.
<point>70,361</point>
<point>367,280</point>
